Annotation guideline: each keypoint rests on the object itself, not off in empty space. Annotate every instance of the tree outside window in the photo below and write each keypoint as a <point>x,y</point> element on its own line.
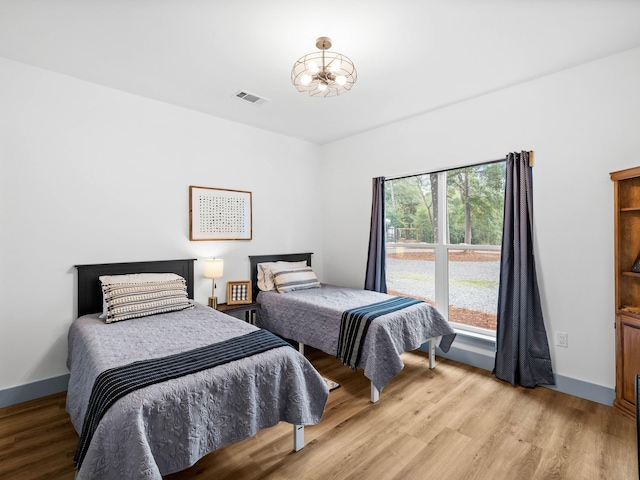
<point>443,243</point>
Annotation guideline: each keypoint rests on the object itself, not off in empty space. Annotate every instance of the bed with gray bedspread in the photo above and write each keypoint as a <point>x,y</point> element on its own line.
<point>168,426</point>
<point>312,317</point>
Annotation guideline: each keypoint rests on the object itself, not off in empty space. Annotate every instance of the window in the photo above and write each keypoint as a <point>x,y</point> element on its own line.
<point>444,231</point>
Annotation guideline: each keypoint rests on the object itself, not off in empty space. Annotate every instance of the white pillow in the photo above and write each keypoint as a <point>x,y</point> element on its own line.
<point>265,277</point>
<point>133,278</point>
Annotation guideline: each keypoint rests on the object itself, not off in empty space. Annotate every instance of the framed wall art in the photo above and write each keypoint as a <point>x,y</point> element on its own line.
<point>239,292</point>
<point>219,214</point>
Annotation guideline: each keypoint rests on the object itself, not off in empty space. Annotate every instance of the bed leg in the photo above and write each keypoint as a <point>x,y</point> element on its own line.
<point>375,394</point>
<point>432,353</point>
<point>298,437</point>
<point>301,348</point>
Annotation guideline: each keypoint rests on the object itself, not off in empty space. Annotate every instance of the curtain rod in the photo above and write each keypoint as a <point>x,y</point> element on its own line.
<point>489,162</point>
<point>407,175</point>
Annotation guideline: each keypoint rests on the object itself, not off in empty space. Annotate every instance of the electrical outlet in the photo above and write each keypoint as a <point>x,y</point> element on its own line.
<point>562,339</point>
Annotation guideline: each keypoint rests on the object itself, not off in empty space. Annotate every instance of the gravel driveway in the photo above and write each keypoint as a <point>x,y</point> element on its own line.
<point>473,285</point>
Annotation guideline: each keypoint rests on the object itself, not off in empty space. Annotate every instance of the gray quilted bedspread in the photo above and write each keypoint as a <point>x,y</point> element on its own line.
<point>168,426</point>
<point>312,317</point>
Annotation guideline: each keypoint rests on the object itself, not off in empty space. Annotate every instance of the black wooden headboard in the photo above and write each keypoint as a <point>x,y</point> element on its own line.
<point>90,291</point>
<point>254,260</point>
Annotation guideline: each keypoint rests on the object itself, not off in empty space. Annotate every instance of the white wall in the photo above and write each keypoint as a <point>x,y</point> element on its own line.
<point>582,124</point>
<point>93,175</point>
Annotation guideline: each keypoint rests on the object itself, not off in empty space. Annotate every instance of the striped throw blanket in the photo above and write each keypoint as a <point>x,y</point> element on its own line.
<point>117,382</point>
<point>355,323</point>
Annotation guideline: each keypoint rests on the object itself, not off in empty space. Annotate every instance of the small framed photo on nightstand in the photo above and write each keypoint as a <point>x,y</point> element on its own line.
<point>239,292</point>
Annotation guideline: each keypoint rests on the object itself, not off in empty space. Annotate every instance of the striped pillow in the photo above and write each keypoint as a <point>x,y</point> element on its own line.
<point>265,277</point>
<point>295,279</point>
<point>134,278</point>
<point>133,300</point>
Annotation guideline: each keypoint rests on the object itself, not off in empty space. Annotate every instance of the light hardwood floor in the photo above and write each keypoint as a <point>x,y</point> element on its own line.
<point>454,422</point>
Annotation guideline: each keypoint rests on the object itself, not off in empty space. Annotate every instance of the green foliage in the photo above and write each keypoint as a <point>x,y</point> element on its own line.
<point>473,282</point>
<point>409,208</point>
<point>475,203</point>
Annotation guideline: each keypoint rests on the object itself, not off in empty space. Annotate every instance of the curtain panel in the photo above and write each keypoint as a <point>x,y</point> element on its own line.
<point>375,277</point>
<point>522,348</point>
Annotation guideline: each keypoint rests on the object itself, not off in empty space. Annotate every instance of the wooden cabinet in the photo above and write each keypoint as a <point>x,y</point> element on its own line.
<point>627,287</point>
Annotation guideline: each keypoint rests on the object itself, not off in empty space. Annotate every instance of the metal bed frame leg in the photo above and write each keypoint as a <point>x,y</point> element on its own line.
<point>432,353</point>
<point>375,394</point>
<point>298,437</point>
<point>298,430</point>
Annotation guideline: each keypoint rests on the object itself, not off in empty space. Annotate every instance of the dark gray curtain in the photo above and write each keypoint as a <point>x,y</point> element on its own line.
<point>522,350</point>
<point>375,278</point>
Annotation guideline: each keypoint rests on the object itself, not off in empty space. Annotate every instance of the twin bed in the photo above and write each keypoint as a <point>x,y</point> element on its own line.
<point>166,427</point>
<point>313,315</point>
<point>151,393</point>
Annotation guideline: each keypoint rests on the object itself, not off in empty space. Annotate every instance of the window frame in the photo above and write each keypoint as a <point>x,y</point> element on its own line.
<point>442,249</point>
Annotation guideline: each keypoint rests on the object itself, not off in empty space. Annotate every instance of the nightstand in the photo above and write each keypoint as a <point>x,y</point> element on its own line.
<point>250,310</point>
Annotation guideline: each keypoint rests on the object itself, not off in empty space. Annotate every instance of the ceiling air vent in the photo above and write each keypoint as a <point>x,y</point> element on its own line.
<point>250,97</point>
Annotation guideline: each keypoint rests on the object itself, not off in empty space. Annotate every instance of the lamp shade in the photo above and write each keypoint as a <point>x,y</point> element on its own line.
<point>213,268</point>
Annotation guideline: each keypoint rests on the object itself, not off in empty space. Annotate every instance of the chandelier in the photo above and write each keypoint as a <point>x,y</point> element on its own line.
<point>323,74</point>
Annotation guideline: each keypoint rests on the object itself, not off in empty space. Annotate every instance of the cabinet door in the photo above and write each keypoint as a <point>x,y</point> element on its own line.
<point>629,360</point>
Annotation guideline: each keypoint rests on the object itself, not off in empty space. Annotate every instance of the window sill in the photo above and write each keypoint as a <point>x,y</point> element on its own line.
<point>476,336</point>
<point>473,349</point>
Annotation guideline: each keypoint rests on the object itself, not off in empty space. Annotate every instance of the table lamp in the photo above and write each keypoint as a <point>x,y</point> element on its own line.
<point>213,268</point>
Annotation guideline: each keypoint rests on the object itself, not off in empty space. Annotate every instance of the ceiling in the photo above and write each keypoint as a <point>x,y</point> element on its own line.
<point>411,56</point>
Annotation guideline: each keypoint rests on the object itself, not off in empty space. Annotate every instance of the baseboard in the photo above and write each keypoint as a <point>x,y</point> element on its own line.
<point>480,353</point>
<point>468,350</point>
<point>582,389</point>
<point>31,391</point>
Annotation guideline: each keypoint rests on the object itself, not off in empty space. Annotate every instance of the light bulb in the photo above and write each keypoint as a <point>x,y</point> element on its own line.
<point>341,79</point>
<point>312,66</point>
<point>322,86</point>
<point>335,66</point>
<point>305,79</point>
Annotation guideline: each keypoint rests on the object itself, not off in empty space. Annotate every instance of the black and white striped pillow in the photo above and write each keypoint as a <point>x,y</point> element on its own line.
<point>134,278</point>
<point>133,300</point>
<point>265,276</point>
<point>295,279</point>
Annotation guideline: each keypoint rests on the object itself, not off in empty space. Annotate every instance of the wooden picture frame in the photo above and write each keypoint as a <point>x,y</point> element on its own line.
<point>219,214</point>
<point>239,292</point>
